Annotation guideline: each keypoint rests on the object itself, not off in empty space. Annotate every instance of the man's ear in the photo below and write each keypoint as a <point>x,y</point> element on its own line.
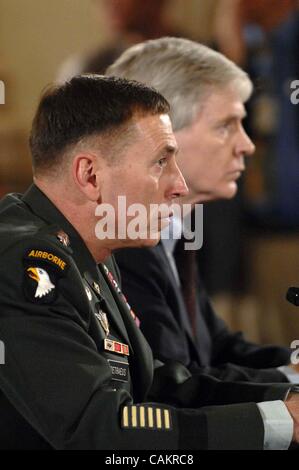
<point>87,170</point>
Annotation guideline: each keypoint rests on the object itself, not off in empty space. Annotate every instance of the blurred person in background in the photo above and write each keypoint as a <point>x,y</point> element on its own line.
<point>129,22</point>
<point>263,37</point>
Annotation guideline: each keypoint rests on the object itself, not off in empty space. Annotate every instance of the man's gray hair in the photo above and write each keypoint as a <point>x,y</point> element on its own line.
<point>184,71</point>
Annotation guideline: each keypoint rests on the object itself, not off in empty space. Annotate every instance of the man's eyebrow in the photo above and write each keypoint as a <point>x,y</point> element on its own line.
<point>234,117</point>
<point>172,149</point>
<point>167,151</point>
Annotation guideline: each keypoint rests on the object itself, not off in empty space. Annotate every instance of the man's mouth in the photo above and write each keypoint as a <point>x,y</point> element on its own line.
<point>235,174</point>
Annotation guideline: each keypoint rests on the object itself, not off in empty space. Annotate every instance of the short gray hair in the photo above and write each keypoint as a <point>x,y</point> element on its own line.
<point>184,71</point>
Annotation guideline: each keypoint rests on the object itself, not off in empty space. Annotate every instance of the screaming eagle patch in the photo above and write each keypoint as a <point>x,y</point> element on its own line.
<point>42,271</point>
<point>39,285</point>
<point>44,284</point>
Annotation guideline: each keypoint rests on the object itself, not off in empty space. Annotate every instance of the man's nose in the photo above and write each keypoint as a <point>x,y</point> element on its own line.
<point>179,186</point>
<point>245,146</point>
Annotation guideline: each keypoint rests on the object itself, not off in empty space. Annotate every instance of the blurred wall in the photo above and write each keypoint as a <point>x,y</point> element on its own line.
<point>194,17</point>
<point>36,36</point>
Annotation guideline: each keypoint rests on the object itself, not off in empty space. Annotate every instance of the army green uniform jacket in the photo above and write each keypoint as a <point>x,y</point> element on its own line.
<point>78,373</point>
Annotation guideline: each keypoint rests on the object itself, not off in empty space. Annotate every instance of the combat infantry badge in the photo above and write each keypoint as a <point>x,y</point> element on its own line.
<point>102,317</point>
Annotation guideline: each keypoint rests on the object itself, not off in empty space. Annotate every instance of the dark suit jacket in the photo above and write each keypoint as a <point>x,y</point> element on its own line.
<point>153,292</point>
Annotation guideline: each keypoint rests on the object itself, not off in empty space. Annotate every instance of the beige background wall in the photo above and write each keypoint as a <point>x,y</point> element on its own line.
<point>37,35</point>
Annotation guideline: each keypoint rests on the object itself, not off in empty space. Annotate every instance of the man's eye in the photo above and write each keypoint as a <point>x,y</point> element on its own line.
<point>228,126</point>
<point>162,162</point>
<point>225,126</point>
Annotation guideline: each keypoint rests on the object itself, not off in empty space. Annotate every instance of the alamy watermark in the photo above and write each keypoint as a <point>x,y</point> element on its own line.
<point>2,353</point>
<point>294,85</point>
<point>2,92</point>
<point>139,222</point>
<point>294,359</point>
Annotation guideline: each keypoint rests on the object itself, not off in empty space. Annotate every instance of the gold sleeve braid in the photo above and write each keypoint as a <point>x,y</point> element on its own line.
<point>146,417</point>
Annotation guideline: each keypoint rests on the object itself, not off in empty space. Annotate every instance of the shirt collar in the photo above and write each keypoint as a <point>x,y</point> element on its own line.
<point>171,234</point>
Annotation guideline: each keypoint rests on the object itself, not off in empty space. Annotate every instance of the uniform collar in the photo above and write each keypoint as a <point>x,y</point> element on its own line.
<point>41,205</point>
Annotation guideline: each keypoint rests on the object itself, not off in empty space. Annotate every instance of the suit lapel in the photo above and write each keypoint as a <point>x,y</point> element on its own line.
<point>176,291</point>
<point>182,312</point>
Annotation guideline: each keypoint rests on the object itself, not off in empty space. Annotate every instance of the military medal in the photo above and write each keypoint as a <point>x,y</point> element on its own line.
<point>116,347</point>
<point>102,317</point>
<point>118,290</point>
<point>88,293</point>
<point>63,238</point>
<point>96,287</point>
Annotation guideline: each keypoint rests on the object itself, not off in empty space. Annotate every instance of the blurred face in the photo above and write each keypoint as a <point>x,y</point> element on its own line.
<point>146,174</point>
<point>119,12</point>
<point>213,148</point>
<point>126,15</point>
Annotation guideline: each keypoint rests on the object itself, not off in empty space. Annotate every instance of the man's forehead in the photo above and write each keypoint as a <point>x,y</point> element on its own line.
<point>165,119</point>
<point>223,104</point>
<point>148,120</point>
<point>157,126</point>
<point>153,134</point>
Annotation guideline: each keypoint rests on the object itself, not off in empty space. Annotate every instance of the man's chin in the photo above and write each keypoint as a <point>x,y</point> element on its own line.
<point>140,242</point>
<point>150,242</point>
<point>232,190</point>
<point>227,192</point>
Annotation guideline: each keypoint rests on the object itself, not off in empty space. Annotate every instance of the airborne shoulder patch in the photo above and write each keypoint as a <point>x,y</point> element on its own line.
<point>42,271</point>
<point>47,256</point>
<point>39,285</point>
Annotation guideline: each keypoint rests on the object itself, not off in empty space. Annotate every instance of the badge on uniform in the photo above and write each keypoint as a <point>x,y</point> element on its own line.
<point>102,317</point>
<point>96,287</point>
<point>116,347</point>
<point>119,370</point>
<point>63,238</point>
<point>118,290</point>
<point>88,293</point>
<point>47,258</point>
<point>39,285</point>
<point>42,271</point>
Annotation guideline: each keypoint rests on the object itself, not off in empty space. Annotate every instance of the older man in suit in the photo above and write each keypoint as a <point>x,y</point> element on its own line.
<point>207,93</point>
